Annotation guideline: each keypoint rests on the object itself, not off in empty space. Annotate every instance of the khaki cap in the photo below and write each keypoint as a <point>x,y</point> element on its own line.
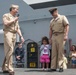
<point>52,10</point>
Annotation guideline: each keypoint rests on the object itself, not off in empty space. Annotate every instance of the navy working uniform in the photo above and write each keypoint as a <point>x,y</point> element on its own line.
<point>19,52</point>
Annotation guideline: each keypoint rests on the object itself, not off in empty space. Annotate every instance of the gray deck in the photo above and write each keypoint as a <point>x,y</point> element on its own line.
<point>25,71</point>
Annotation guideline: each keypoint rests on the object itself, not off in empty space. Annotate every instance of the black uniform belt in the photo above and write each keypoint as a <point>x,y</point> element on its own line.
<point>58,33</point>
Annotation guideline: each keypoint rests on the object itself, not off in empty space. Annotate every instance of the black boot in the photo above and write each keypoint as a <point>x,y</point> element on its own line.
<point>61,70</point>
<point>52,70</point>
<point>5,71</point>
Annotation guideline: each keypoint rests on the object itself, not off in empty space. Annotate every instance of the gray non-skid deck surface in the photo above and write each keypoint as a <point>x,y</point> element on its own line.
<point>26,71</point>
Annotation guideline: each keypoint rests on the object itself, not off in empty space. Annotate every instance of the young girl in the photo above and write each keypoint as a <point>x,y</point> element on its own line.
<point>45,52</point>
